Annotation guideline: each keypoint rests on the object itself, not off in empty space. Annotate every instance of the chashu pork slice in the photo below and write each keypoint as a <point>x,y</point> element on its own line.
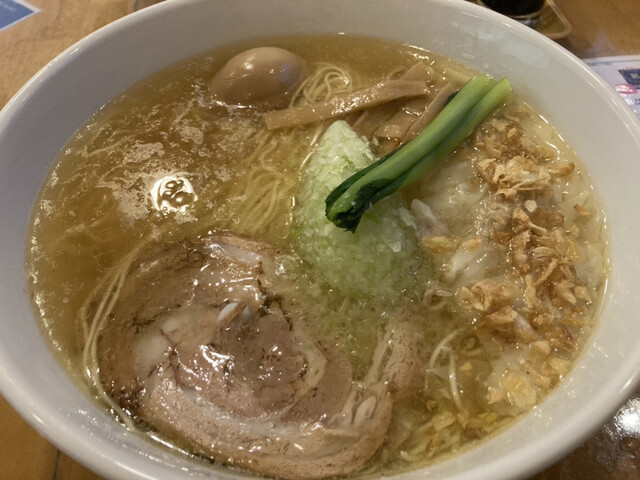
<point>203,346</point>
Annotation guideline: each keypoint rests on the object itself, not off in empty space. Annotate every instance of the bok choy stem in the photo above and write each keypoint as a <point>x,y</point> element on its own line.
<point>353,197</point>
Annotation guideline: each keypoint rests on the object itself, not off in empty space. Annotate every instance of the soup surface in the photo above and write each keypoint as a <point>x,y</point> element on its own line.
<point>183,268</point>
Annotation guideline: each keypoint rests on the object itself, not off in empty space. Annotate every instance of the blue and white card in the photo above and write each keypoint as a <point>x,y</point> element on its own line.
<point>12,11</point>
<point>623,74</point>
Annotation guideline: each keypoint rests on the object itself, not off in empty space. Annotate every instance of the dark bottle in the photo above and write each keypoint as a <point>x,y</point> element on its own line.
<point>515,8</point>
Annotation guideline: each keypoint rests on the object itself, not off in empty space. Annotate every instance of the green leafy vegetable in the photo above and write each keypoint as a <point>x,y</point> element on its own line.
<point>345,205</point>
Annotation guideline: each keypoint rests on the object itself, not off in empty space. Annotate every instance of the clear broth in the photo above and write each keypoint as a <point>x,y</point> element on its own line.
<point>103,197</point>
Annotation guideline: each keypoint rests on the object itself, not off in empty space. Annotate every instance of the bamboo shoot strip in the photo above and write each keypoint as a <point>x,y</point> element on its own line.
<point>383,92</point>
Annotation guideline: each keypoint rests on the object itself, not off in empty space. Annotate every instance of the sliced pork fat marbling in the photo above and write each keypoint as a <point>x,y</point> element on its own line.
<point>204,345</point>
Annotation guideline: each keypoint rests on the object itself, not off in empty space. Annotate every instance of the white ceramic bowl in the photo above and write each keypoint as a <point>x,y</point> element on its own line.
<point>35,125</point>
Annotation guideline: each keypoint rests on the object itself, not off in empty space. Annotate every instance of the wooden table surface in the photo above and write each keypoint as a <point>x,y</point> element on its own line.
<point>599,28</point>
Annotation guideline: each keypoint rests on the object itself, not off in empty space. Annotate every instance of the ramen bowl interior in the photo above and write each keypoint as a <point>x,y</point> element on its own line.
<point>38,122</point>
